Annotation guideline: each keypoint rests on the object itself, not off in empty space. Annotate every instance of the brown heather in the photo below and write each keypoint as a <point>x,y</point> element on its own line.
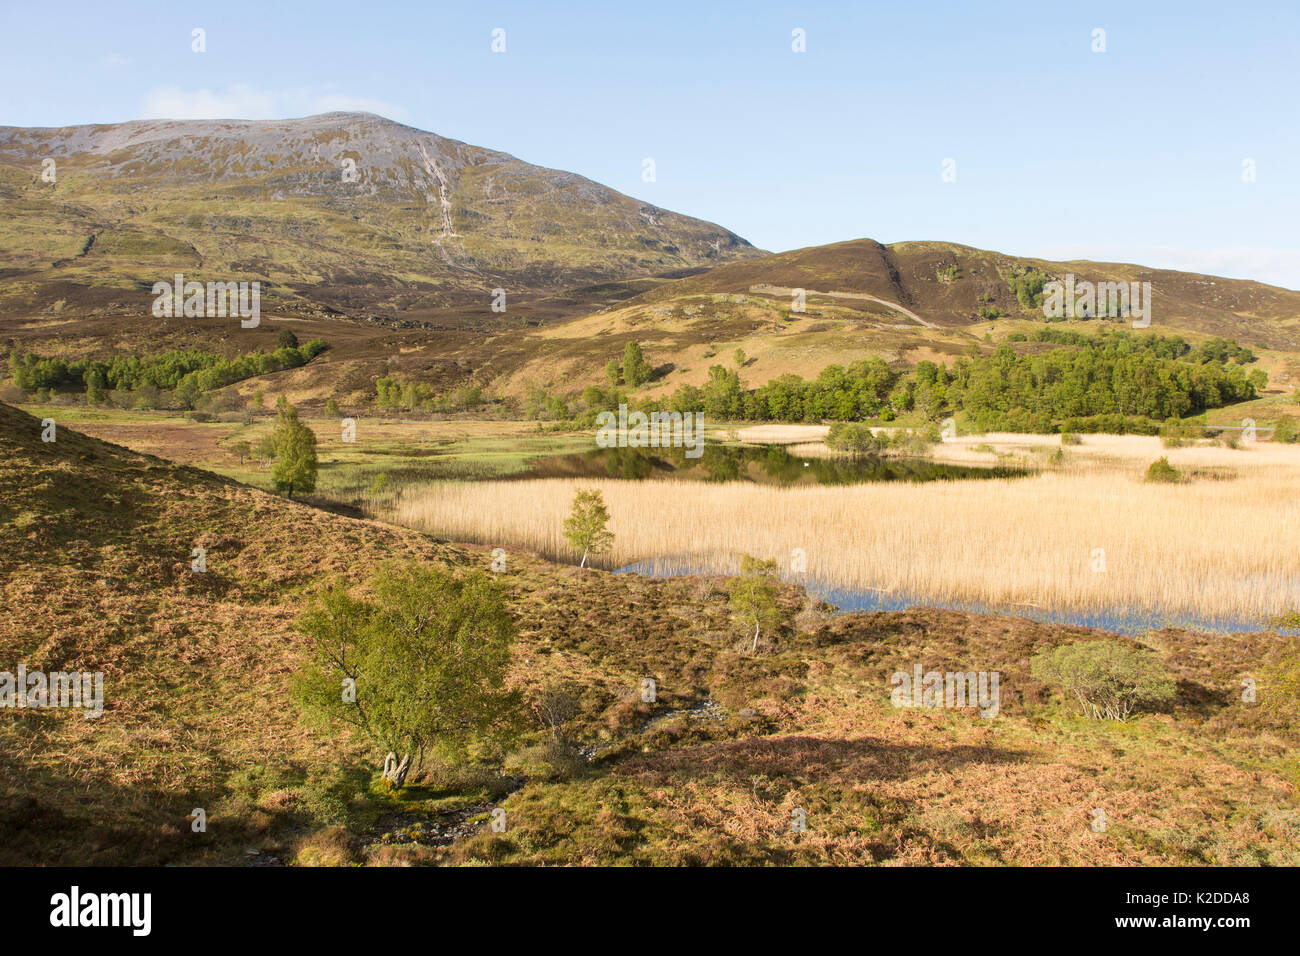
<point>94,572</point>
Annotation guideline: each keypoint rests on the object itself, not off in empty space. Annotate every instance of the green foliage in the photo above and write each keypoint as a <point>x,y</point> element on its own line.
<point>752,596</point>
<point>331,408</point>
<point>1161,471</point>
<point>1280,685</point>
<point>1175,434</point>
<point>856,439</point>
<point>1285,431</point>
<point>427,656</point>
<point>1028,288</point>
<point>585,527</point>
<point>1108,679</point>
<point>1116,374</point>
<point>636,370</point>
<point>191,371</point>
<point>471,396</point>
<point>295,452</point>
<point>286,340</point>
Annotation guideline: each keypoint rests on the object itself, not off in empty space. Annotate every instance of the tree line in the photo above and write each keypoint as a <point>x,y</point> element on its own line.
<point>1113,381</point>
<point>186,372</point>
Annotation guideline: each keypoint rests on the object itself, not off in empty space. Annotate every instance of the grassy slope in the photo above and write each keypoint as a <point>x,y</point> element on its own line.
<point>95,573</point>
<point>562,340</point>
<point>691,323</point>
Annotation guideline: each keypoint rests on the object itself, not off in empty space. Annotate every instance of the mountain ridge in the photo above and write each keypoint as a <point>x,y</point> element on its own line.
<point>955,285</point>
<point>339,212</point>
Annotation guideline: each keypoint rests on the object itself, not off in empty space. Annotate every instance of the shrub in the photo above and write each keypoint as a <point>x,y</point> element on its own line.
<point>421,665</point>
<point>1280,686</point>
<point>1070,438</point>
<point>1109,680</point>
<point>1161,470</point>
<point>854,438</point>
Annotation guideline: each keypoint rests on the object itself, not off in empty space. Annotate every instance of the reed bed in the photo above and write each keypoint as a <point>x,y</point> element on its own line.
<point>1208,549</point>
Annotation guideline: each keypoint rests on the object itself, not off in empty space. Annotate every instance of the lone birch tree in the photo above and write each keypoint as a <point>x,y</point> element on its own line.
<point>753,596</point>
<point>422,665</point>
<point>585,527</point>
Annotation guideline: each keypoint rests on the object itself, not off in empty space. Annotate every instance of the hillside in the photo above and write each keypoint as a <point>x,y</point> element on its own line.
<point>343,212</point>
<point>948,284</point>
<point>905,302</point>
<point>95,576</point>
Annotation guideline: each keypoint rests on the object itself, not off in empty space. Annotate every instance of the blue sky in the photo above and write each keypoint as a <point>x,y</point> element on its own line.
<point>1135,154</point>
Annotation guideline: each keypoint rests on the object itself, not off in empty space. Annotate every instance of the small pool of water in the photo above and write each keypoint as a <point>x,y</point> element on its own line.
<point>1117,620</point>
<point>761,464</point>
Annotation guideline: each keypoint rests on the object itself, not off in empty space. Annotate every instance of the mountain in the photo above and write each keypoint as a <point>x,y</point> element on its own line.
<point>346,212</point>
<point>951,286</point>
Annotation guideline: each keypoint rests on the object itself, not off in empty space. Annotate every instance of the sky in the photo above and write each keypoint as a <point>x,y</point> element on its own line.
<point>1171,140</point>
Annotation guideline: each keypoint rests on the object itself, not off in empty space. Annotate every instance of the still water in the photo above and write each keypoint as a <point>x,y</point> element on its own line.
<point>761,464</point>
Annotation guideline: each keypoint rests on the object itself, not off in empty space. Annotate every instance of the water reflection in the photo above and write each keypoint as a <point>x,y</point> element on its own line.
<point>762,464</point>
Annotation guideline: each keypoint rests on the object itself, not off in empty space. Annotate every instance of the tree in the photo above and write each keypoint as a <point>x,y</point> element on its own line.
<point>243,449</point>
<point>295,452</point>
<point>585,526</point>
<point>471,396</point>
<point>421,665</point>
<point>636,370</point>
<point>286,340</point>
<point>740,357</point>
<point>753,596</point>
<point>613,373</point>
<point>265,448</point>
<point>1109,680</point>
<point>331,408</point>
<point>554,705</point>
<point>855,438</point>
<point>186,393</point>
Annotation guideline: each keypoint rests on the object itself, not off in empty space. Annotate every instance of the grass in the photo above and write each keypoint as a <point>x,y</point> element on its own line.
<point>1207,549</point>
<point>198,715</point>
<point>407,452</point>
